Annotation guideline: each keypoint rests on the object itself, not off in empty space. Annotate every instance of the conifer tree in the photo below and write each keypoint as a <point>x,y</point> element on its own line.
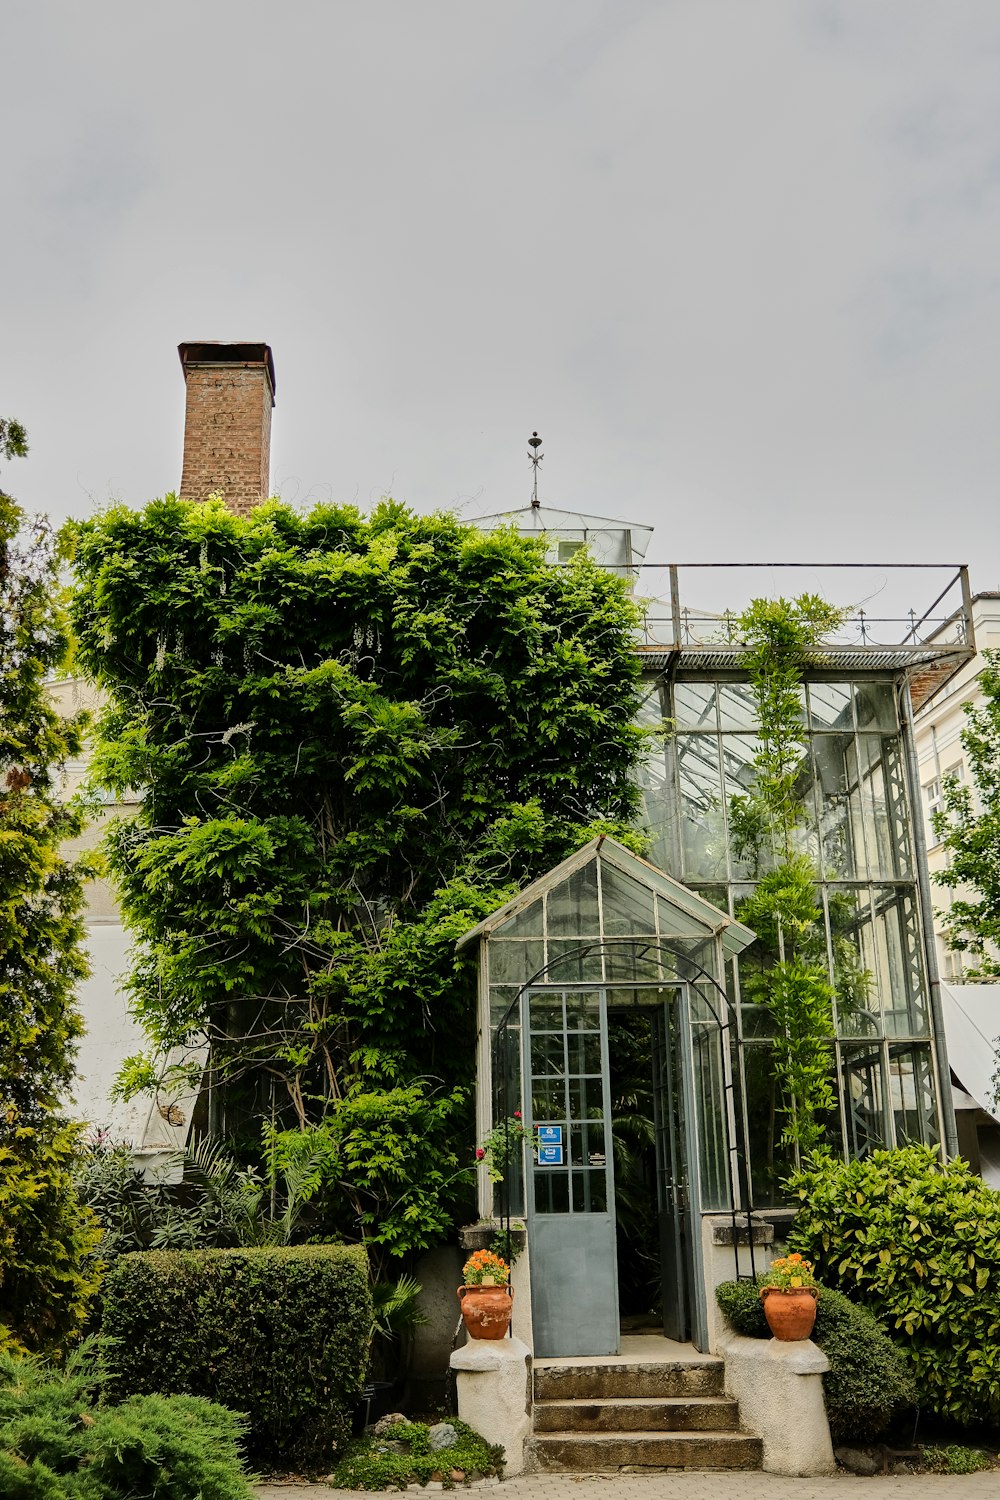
<point>45,1233</point>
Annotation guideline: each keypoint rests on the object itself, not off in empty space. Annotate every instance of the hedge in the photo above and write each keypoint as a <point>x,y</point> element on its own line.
<point>281,1334</point>
<point>868,1380</point>
<point>919,1244</point>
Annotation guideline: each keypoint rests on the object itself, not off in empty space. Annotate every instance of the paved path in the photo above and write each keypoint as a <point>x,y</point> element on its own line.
<point>705,1484</point>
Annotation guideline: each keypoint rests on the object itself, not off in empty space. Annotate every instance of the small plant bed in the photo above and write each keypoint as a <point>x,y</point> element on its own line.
<point>955,1458</point>
<point>396,1453</point>
<point>882,1458</point>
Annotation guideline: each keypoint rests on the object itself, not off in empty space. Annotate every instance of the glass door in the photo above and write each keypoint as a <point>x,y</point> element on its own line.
<point>570,1189</point>
<point>673,1197</point>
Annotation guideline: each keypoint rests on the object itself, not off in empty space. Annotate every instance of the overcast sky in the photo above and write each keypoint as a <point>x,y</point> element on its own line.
<point>737,260</point>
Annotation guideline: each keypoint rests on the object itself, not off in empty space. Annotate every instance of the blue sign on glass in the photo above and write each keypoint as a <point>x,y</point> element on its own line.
<point>550,1145</point>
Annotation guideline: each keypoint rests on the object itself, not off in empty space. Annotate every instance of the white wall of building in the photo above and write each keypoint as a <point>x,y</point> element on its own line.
<point>940,754</point>
<point>153,1126</point>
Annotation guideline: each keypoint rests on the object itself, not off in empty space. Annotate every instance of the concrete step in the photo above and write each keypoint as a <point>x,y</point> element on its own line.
<point>587,1453</point>
<point>652,1414</point>
<point>594,1381</point>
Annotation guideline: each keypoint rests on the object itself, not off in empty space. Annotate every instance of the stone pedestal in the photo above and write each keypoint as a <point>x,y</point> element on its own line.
<point>780,1390</point>
<point>492,1380</point>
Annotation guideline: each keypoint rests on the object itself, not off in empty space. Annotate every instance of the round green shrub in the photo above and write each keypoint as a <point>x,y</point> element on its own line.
<point>868,1379</point>
<point>740,1301</point>
<point>918,1243</point>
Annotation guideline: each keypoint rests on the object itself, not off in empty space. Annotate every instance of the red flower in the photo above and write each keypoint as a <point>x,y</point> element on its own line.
<point>480,1153</point>
<point>517,1114</point>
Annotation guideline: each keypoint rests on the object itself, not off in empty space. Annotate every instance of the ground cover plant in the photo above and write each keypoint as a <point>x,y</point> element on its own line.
<point>918,1243</point>
<point>355,736</point>
<point>401,1454</point>
<point>46,1279</point>
<point>868,1382</point>
<point>280,1333</point>
<point>58,1442</point>
<point>955,1458</point>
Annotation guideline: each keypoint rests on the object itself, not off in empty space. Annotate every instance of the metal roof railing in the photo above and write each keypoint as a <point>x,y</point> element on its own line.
<point>894,616</point>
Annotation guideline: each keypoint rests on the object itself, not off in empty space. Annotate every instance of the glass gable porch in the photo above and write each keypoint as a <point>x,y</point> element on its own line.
<point>603,923</point>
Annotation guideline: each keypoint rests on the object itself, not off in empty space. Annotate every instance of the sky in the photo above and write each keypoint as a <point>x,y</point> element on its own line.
<point>738,261</point>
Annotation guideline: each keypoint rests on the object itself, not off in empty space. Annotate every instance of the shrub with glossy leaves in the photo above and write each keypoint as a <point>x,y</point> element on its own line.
<point>918,1243</point>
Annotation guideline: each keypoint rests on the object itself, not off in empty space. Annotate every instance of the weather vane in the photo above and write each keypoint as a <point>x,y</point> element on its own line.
<point>535,442</point>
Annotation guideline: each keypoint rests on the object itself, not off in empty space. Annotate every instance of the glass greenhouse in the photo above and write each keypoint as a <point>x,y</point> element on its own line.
<point>622,1027</point>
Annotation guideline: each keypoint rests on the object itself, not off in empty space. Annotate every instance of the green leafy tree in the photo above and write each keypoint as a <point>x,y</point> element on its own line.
<point>971,835</point>
<point>44,1231</point>
<point>354,736</point>
<point>13,439</point>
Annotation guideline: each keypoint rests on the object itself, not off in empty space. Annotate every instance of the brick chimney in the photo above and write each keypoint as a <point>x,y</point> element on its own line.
<point>227,423</point>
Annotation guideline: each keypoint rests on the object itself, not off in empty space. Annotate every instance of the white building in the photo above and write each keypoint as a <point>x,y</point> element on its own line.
<point>971,1011</point>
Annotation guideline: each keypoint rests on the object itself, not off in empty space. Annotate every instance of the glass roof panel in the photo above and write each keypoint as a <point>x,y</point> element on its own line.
<point>572,907</point>
<point>526,924</point>
<point>676,922</point>
<point>628,906</point>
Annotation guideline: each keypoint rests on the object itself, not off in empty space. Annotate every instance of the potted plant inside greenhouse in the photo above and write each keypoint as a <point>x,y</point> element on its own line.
<point>789,1291</point>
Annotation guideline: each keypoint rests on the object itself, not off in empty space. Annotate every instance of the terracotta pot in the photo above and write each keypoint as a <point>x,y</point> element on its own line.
<point>790,1313</point>
<point>486,1310</point>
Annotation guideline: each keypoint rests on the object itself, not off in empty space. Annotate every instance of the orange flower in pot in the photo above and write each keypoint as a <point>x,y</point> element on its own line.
<point>486,1298</point>
<point>789,1292</point>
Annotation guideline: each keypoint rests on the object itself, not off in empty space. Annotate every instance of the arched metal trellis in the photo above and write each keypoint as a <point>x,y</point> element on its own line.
<point>672,965</point>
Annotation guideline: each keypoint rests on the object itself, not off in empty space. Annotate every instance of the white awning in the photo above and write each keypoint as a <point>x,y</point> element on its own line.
<point>972,1024</point>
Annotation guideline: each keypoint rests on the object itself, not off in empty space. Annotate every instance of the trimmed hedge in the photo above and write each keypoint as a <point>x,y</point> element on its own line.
<point>919,1244</point>
<point>280,1333</point>
<point>868,1380</point>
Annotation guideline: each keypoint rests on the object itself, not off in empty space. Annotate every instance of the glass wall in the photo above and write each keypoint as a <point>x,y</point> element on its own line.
<point>855,830</point>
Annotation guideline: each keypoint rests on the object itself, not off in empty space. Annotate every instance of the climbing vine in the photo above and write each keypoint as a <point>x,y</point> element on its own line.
<point>354,736</point>
<point>793,981</point>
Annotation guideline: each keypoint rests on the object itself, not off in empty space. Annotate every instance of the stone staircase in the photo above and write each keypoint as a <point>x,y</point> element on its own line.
<point>596,1416</point>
